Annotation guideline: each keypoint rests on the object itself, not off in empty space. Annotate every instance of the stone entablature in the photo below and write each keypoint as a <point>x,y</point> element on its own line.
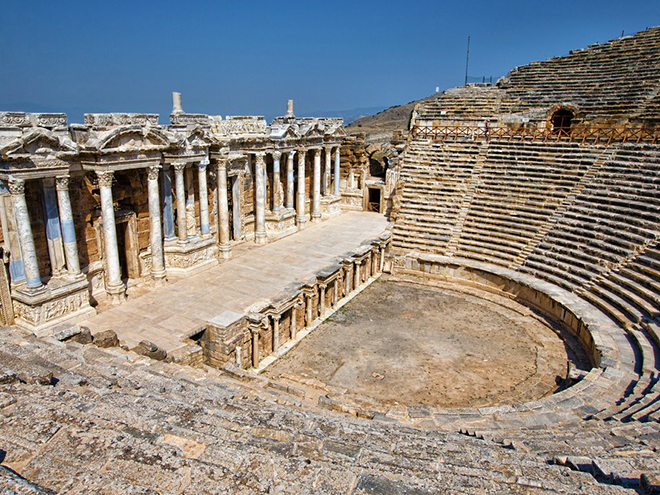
<point>157,200</point>
<point>22,119</point>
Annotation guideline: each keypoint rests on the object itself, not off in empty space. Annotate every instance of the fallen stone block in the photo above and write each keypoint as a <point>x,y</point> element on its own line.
<point>150,350</point>
<point>108,338</point>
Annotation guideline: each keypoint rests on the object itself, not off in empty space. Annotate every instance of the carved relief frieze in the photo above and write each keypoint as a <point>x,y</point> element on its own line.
<point>38,314</point>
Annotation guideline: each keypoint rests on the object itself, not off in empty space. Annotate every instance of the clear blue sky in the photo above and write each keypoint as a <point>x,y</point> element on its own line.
<point>249,57</point>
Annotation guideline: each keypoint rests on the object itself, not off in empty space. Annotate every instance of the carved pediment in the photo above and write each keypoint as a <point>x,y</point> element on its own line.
<point>38,143</point>
<point>133,139</point>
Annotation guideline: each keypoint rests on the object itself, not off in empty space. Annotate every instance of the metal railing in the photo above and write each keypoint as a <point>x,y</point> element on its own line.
<point>599,133</point>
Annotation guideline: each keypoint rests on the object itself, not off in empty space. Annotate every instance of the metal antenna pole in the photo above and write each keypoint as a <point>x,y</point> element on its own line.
<point>467,60</point>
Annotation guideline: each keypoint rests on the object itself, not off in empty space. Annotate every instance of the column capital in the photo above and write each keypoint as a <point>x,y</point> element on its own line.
<point>179,167</point>
<point>301,150</point>
<point>261,156</point>
<point>276,154</point>
<point>292,153</point>
<point>317,151</point>
<point>152,173</point>
<point>203,164</point>
<point>323,286</point>
<point>105,177</point>
<point>62,183</point>
<point>16,186</point>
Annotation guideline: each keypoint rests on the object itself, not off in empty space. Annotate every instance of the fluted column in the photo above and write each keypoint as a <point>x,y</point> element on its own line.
<point>316,193</point>
<point>181,213</point>
<point>326,171</point>
<point>337,163</point>
<point>155,230</point>
<point>203,198</point>
<point>68,229</point>
<point>300,204</point>
<point>260,194</point>
<point>277,186</point>
<point>223,210</point>
<point>289,179</point>
<point>115,287</point>
<point>25,238</point>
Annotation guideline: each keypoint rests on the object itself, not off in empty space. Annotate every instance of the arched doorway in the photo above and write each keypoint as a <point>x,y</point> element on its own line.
<point>561,121</point>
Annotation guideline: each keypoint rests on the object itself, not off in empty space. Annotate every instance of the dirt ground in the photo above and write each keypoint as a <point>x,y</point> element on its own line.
<point>402,343</point>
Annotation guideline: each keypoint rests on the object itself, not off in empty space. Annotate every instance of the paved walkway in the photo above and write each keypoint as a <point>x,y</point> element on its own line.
<point>165,315</point>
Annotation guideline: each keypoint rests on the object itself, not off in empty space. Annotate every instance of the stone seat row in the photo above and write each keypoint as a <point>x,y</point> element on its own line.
<point>157,426</point>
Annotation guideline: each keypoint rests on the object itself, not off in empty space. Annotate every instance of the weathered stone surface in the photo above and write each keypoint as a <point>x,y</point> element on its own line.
<point>107,338</point>
<point>151,350</point>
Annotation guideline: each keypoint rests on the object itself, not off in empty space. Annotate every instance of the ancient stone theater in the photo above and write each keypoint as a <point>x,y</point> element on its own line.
<point>223,305</point>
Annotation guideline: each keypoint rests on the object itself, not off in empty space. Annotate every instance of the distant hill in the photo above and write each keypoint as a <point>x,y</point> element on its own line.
<point>349,116</point>
<point>379,127</point>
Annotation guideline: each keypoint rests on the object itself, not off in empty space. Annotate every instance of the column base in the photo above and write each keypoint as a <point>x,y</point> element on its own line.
<point>316,217</point>
<point>160,276</point>
<point>260,238</point>
<point>301,222</point>
<point>224,251</point>
<point>116,293</point>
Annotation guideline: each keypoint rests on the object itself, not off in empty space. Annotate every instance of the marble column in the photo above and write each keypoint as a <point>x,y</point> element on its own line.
<point>356,275</point>
<point>326,171</point>
<point>115,287</point>
<point>337,163</point>
<point>308,310</point>
<point>260,195</point>
<point>335,293</point>
<point>203,199</point>
<point>289,179</point>
<point>351,179</point>
<point>316,194</point>
<point>181,213</point>
<point>255,346</point>
<point>191,216</point>
<point>292,321</point>
<point>277,185</point>
<point>25,238</point>
<point>300,204</point>
<point>68,229</point>
<point>155,231</point>
<point>276,332</point>
<point>223,210</point>
<point>53,230</point>
<point>322,288</point>
<point>168,210</point>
